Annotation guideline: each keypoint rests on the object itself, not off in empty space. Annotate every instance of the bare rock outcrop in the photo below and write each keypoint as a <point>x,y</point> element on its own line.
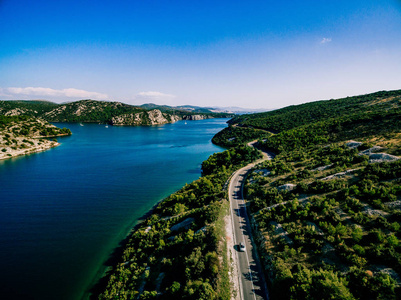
<point>156,117</point>
<point>353,144</point>
<point>370,150</point>
<point>322,168</point>
<point>152,117</point>
<point>340,175</point>
<point>382,157</point>
<point>186,224</point>
<point>195,117</point>
<point>16,112</point>
<point>394,205</point>
<point>287,187</point>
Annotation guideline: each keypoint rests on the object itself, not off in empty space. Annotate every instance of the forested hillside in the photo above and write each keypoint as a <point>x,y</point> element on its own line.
<point>115,113</point>
<point>298,115</point>
<point>32,108</point>
<point>180,251</point>
<point>326,211</point>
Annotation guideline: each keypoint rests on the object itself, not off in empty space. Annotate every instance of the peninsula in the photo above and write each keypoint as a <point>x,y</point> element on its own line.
<point>21,135</point>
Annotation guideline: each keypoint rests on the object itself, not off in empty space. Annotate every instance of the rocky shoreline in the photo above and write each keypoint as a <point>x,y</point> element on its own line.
<point>25,135</point>
<point>36,148</point>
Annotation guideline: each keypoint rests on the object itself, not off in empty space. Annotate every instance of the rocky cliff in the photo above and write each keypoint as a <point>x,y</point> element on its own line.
<point>196,117</point>
<point>152,117</point>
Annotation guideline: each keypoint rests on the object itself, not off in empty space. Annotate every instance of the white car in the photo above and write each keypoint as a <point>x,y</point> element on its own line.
<point>241,247</point>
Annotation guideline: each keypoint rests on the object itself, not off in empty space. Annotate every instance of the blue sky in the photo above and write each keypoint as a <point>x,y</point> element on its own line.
<point>255,54</point>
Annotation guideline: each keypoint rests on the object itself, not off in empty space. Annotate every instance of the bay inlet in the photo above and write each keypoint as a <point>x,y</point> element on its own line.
<point>63,211</point>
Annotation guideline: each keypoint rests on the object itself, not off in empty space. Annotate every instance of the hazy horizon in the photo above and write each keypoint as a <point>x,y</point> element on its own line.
<point>255,54</point>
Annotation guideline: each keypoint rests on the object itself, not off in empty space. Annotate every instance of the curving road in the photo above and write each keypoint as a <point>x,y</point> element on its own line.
<point>251,280</point>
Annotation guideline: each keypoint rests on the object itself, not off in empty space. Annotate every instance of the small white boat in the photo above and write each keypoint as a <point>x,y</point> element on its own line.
<point>81,124</point>
<point>107,126</point>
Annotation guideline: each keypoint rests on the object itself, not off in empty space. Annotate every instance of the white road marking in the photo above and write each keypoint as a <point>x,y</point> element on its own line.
<point>235,241</point>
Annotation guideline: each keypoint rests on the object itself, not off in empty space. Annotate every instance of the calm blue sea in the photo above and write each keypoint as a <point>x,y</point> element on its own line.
<point>63,211</point>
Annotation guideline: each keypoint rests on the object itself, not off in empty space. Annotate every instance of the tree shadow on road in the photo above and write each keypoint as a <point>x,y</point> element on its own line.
<point>258,286</point>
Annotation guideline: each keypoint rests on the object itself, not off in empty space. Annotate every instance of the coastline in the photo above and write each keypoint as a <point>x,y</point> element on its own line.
<point>22,135</point>
<point>100,280</point>
<point>110,248</point>
<point>211,215</point>
<point>102,275</point>
<point>11,153</point>
<point>38,144</point>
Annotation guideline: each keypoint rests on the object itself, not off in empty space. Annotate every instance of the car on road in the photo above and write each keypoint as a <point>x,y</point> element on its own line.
<point>241,247</point>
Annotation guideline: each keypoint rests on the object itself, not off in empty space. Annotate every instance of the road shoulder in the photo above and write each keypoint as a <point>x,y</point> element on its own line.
<point>232,258</point>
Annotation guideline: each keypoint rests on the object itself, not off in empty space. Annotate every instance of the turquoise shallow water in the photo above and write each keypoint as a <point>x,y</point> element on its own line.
<point>63,211</point>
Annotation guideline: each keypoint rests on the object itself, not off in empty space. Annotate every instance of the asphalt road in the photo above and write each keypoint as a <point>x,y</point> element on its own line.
<point>251,282</point>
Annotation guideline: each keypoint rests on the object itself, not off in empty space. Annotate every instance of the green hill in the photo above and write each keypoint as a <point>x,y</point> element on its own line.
<point>89,111</point>
<point>326,211</point>
<point>115,113</point>
<point>297,115</point>
<point>26,107</point>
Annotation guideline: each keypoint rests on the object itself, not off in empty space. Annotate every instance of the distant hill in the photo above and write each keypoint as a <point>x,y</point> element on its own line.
<point>232,110</point>
<point>240,110</point>
<point>189,109</point>
<point>115,113</point>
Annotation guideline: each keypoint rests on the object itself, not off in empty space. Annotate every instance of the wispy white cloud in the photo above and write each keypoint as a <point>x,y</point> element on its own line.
<point>49,93</point>
<point>153,96</point>
<point>325,40</point>
<point>156,95</point>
